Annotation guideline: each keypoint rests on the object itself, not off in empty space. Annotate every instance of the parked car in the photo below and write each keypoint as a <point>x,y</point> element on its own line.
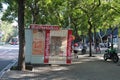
<point>99,49</point>
<point>115,45</point>
<point>103,47</point>
<point>14,41</point>
<point>78,47</point>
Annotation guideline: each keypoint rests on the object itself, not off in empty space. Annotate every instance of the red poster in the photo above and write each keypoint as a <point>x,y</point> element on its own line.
<point>47,46</point>
<point>38,42</point>
<point>69,39</point>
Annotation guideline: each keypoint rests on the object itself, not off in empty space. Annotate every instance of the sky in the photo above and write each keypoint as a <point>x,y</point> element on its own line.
<point>5,6</point>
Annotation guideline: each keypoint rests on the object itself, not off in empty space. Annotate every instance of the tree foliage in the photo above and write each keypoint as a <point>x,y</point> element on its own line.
<point>7,30</point>
<point>0,6</point>
<point>83,16</point>
<point>11,12</point>
<point>67,13</point>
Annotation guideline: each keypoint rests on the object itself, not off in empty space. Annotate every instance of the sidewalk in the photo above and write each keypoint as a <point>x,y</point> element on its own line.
<point>84,68</point>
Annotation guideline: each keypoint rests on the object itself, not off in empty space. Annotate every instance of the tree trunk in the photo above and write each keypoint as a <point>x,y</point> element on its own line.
<point>76,31</point>
<point>90,40</point>
<point>100,37</point>
<point>112,39</point>
<point>90,37</point>
<point>35,12</point>
<point>21,57</point>
<point>95,38</point>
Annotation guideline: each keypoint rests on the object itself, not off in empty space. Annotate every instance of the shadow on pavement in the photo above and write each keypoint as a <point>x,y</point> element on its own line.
<point>83,68</point>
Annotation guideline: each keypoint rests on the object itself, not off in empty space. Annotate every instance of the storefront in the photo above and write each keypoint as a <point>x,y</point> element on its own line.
<point>46,44</point>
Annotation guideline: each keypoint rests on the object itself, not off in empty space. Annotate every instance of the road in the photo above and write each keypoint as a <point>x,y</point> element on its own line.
<point>8,56</point>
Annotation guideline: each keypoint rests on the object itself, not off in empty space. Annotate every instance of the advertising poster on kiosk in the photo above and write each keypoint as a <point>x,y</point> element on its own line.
<point>38,42</point>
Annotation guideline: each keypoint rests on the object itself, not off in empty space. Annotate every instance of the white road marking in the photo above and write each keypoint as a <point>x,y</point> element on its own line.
<point>7,68</point>
<point>8,49</point>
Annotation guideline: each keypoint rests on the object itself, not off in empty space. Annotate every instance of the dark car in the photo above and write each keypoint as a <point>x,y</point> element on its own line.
<point>14,41</point>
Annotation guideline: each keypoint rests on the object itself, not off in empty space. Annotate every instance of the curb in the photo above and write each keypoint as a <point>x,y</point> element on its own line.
<point>7,68</point>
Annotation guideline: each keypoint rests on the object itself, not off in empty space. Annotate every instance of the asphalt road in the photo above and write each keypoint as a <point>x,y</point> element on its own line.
<point>8,56</point>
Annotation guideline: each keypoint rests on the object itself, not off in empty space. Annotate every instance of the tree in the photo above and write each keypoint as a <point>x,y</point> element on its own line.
<point>89,8</point>
<point>10,14</point>
<point>7,32</point>
<point>112,17</point>
<point>80,15</point>
<point>21,57</point>
<point>0,6</point>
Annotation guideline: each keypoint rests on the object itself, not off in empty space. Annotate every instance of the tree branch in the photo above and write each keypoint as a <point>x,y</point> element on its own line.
<point>115,10</point>
<point>96,6</point>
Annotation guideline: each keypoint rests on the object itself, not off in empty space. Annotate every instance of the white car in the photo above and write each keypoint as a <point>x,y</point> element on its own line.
<point>103,47</point>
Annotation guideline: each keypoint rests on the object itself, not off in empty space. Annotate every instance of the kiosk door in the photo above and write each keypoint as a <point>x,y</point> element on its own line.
<point>60,47</point>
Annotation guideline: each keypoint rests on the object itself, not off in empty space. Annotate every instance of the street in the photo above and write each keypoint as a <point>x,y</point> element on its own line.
<point>8,56</point>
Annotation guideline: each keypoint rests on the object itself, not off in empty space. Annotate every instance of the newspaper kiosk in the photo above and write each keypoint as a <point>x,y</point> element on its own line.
<point>46,44</point>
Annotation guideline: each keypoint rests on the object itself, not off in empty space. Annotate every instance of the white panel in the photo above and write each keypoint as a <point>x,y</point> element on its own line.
<point>37,59</point>
<point>28,45</point>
